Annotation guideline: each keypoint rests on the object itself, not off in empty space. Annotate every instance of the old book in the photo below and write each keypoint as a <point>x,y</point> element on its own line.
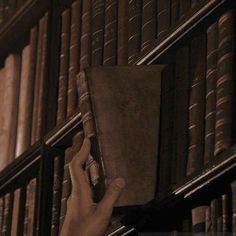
<point>208,221</point>
<point>225,198</point>
<point>134,28</point>
<point>211,77</point>
<point>40,81</point>
<point>9,105</point>
<point>85,41</point>
<point>7,215</point>
<point>149,21</point>
<point>74,56</point>
<point>122,41</point>
<point>98,20</point>
<point>163,18</point>
<point>184,6</point>
<point>64,66</point>
<point>233,189</point>
<point>196,104</point>
<point>132,97</point>
<point>216,213</point>
<point>1,12</point>
<point>224,85</point>
<point>66,182</point>
<point>174,11</point>
<point>199,220</point>
<point>1,212</point>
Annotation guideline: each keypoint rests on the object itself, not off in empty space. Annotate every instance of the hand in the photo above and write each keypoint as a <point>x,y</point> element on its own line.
<point>83,216</point>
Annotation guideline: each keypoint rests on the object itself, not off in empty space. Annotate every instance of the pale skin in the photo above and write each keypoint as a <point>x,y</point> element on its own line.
<point>83,216</point>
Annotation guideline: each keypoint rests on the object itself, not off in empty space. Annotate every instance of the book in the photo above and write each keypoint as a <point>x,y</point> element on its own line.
<point>233,190</point>
<point>1,12</point>
<point>208,221</point>
<point>211,77</point>
<point>122,40</point>
<point>64,66</point>
<point>98,20</point>
<point>74,56</point>
<point>134,28</point>
<point>148,23</point>
<point>132,96</point>
<point>1,212</point>
<point>225,198</point>
<point>7,214</point>
<point>196,120</point>
<point>199,220</point>
<point>224,84</point>
<point>184,6</point>
<point>216,213</point>
<point>174,11</point>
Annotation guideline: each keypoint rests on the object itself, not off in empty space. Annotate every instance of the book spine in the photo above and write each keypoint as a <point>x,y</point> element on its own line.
<point>134,28</point>
<point>216,212</point>
<point>211,77</point>
<point>1,12</point>
<point>122,41</point>
<point>148,23</point>
<point>194,3</point>
<point>110,33</point>
<point>85,49</point>
<point>98,10</point>
<point>32,206</point>
<point>1,212</point>
<point>163,18</point>
<point>224,84</point>
<point>184,6</point>
<point>64,67</point>
<point>7,215</point>
<point>26,215</point>
<point>74,56</point>
<point>225,213</point>
<point>174,11</point>
<point>199,220</point>
<point>196,104</point>
<point>208,221</point>
<point>233,189</point>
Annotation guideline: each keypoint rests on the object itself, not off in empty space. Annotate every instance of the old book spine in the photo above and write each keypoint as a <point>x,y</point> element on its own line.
<point>199,220</point>
<point>110,32</point>
<point>163,18</point>
<point>216,213</point>
<point>85,44</point>
<point>66,183</point>
<point>233,189</point>
<point>196,104</point>
<point>74,56</point>
<point>148,23</point>
<point>224,85</point>
<point>208,221</point>
<point>211,76</point>
<point>184,6</point>
<point>174,11</point>
<point>1,212</point>
<point>98,19</point>
<point>134,28</point>
<point>1,12</point>
<point>225,213</point>
<point>181,113</point>
<point>122,41</point>
<point>26,211</point>
<point>64,67</point>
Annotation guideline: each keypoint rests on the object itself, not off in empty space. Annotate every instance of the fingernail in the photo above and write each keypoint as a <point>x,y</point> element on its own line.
<point>120,182</point>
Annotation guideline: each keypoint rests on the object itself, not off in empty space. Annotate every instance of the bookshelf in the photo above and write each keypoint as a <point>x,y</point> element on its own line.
<point>50,148</point>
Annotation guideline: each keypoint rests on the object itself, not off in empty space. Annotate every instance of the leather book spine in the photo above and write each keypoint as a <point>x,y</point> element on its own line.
<point>224,84</point>
<point>122,40</point>
<point>184,6</point>
<point>163,18</point>
<point>225,213</point>
<point>196,104</point>
<point>198,220</point>
<point>110,33</point>
<point>85,44</point>
<point>74,56</point>
<point>233,190</point>
<point>211,77</point>
<point>1,212</point>
<point>98,20</point>
<point>216,212</point>
<point>174,11</point>
<point>148,23</point>
<point>64,66</point>
<point>134,28</point>
<point>1,12</point>
<point>208,221</point>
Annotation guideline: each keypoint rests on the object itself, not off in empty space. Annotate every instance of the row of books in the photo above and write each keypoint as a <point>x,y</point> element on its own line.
<point>199,91</point>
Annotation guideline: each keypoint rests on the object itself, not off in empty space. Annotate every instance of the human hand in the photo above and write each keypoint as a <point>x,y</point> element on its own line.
<point>84,217</point>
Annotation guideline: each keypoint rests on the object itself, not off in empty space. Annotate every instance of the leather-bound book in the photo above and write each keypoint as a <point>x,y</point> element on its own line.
<point>197,104</point>
<point>181,114</point>
<point>233,189</point>
<point>131,94</point>
<point>184,6</point>
<point>134,28</point>
<point>66,182</point>
<point>98,20</point>
<point>174,11</point>
<point>199,220</point>
<point>110,33</point>
<point>1,212</point>
<point>1,12</point>
<point>74,56</point>
<point>149,21</point>
<point>211,77</point>
<point>85,41</point>
<point>216,213</point>
<point>208,221</point>
<point>163,18</point>
<point>64,66</point>
<point>224,85</point>
<point>40,80</point>
<point>122,41</point>
<point>225,198</point>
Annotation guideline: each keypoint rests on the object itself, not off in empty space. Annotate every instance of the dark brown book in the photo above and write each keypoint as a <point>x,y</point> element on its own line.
<point>184,6</point>
<point>98,20</point>
<point>149,23</point>
<point>85,41</point>
<point>194,3</point>
<point>102,89</point>
<point>74,56</point>
<point>66,183</point>
<point>208,221</point>
<point>197,104</point>
<point>224,84</point>
<point>181,114</point>
<point>199,220</point>
<point>216,213</point>
<point>1,12</point>
<point>1,212</point>
<point>40,80</point>
<point>110,33</point>
<point>174,11</point>
<point>225,198</point>
<point>233,189</point>
<point>211,77</point>
<point>64,66</point>
<point>163,18</point>
<point>134,28</point>
<point>122,41</point>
